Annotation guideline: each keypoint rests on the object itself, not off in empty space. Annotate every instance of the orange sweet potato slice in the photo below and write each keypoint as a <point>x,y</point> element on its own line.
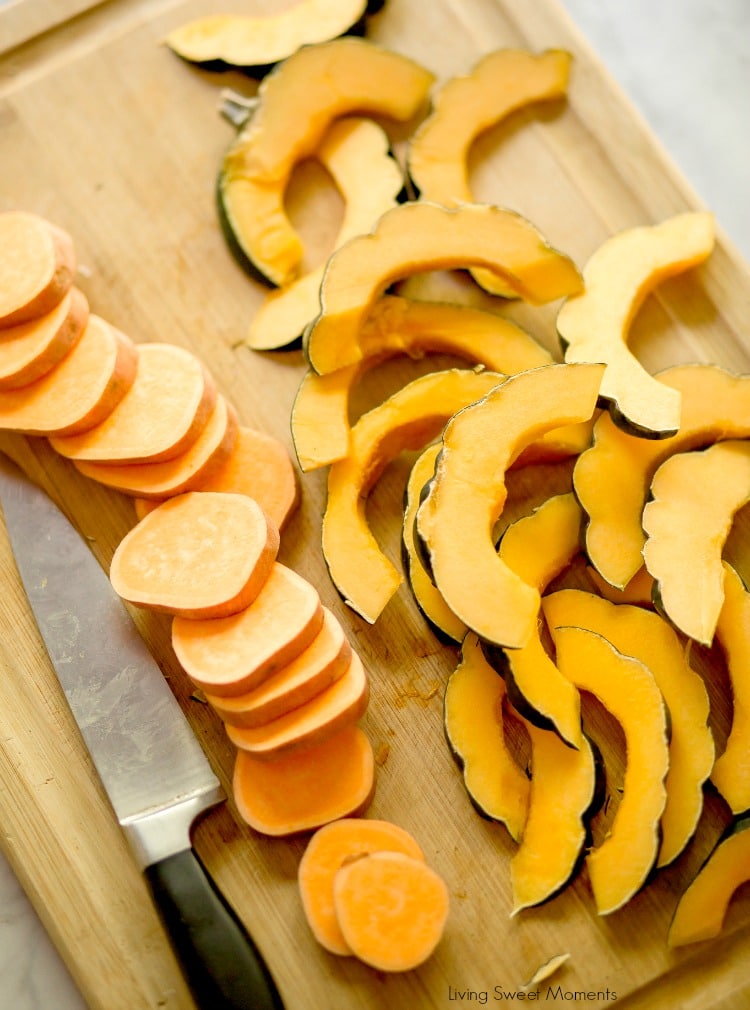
<point>37,266</point>
<point>323,661</point>
<point>162,414</point>
<point>158,481</point>
<point>307,788</point>
<point>391,909</point>
<point>232,655</point>
<point>329,848</point>
<point>200,555</point>
<point>29,350</point>
<point>80,392</point>
<point>339,705</point>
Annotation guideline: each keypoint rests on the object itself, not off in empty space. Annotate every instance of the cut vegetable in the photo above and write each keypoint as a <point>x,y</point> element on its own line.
<point>297,102</point>
<point>391,909</point>
<point>613,477</point>
<point>81,391</point>
<point>231,655</point>
<point>324,660</point>
<point>638,591</point>
<point>339,705</point>
<point>200,555</point>
<point>466,496</point>
<point>37,266</point>
<point>308,788</point>
<point>30,350</point>
<point>418,237</point>
<point>159,418</point>
<point>694,498</point>
<point>356,153</point>
<point>473,719</point>
<point>594,325</point>
<point>329,848</point>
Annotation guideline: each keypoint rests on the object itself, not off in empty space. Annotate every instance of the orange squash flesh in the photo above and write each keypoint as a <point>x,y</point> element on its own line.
<point>231,655</point>
<point>307,788</point>
<point>29,350</point>
<point>200,555</point>
<point>326,852</point>
<point>37,266</point>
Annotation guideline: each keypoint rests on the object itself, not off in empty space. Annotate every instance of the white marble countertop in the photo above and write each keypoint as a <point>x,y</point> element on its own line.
<point>686,65</point>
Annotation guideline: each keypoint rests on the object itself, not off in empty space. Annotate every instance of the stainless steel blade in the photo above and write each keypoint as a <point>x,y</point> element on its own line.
<point>153,769</point>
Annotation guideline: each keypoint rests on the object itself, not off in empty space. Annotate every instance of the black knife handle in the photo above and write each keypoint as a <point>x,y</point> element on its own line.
<point>222,966</point>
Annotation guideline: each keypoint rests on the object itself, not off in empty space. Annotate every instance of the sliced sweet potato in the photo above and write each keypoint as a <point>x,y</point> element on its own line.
<point>324,660</point>
<point>391,909</point>
<point>29,350</point>
<point>232,655</point>
<point>329,848</point>
<point>80,392</point>
<point>339,705</point>
<point>163,479</point>
<point>162,414</point>
<point>37,266</point>
<point>308,788</point>
<point>200,555</point>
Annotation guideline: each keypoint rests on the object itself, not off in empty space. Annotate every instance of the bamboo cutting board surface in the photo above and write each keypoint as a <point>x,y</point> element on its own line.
<point>107,133</point>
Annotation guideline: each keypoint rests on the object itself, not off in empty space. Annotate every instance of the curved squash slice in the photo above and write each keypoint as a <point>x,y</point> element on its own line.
<point>297,102</point>
<point>694,497</point>
<point>501,82</point>
<point>593,325</point>
<point>638,591</point>
<point>473,719</point>
<point>320,414</point>
<point>613,477</point>
<point>537,548</point>
<point>731,771</point>
<point>417,237</point>
<point>703,907</point>
<point>621,864</point>
<point>466,496</point>
<point>646,636</point>
<point>255,44</point>
<point>357,155</point>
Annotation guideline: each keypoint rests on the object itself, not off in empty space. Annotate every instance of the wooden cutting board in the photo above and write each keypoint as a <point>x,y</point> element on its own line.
<point>107,133</point>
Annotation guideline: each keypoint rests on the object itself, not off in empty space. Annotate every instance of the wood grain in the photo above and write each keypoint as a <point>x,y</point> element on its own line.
<point>107,133</point>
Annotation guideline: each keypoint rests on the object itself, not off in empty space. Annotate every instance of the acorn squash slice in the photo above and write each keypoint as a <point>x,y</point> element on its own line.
<point>537,548</point>
<point>417,237</point>
<point>320,414</point>
<point>613,477</point>
<point>593,325</point>
<point>256,43</point>
<point>646,636</point>
<point>356,153</point>
<point>702,909</point>
<point>501,83</point>
<point>694,498</point>
<point>621,864</point>
<point>466,496</point>
<point>473,720</point>
<point>731,771</point>
<point>297,102</point>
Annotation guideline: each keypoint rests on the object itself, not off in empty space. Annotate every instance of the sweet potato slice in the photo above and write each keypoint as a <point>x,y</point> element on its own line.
<point>163,413</point>
<point>329,848</point>
<point>200,555</point>
<point>80,392</point>
<point>339,705</point>
<point>29,350</point>
<point>324,660</point>
<point>37,266</point>
<point>391,909</point>
<point>308,788</point>
<point>164,479</point>
<point>232,655</point>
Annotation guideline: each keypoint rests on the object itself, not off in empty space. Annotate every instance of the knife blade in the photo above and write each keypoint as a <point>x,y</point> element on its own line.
<point>153,769</point>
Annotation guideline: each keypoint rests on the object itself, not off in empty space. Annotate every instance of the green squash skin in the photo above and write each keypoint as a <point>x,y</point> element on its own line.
<point>233,243</point>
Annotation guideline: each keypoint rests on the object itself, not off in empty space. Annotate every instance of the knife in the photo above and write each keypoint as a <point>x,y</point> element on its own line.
<point>154,771</point>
